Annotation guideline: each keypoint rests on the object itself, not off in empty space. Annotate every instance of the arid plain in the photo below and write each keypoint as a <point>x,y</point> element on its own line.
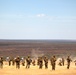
<point>34,70</point>
<point>37,48</point>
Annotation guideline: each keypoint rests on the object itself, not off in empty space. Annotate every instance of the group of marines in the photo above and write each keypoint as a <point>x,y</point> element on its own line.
<point>17,61</point>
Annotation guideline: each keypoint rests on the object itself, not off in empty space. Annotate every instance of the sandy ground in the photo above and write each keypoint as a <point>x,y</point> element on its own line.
<point>34,70</point>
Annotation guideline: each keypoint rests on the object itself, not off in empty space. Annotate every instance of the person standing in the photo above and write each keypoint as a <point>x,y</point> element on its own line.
<point>17,62</point>
<point>40,63</point>
<point>13,61</point>
<point>28,62</point>
<point>63,61</point>
<point>53,62</point>
<point>33,62</point>
<point>23,61</point>
<point>46,62</point>
<point>68,62</point>
<point>1,62</point>
<point>9,61</point>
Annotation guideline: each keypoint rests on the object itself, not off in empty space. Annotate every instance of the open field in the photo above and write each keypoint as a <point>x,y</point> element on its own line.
<point>37,47</point>
<point>34,70</point>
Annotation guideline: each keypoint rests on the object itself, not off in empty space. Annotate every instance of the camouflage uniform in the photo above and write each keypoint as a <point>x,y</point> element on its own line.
<point>28,62</point>
<point>1,62</point>
<point>9,61</point>
<point>17,62</point>
<point>68,62</point>
<point>23,61</point>
<point>40,63</point>
<point>53,62</point>
<point>38,60</point>
<point>13,61</point>
<point>46,62</point>
<point>63,61</point>
<point>33,62</point>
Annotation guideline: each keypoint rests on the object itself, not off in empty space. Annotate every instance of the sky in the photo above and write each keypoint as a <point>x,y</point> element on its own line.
<point>38,19</point>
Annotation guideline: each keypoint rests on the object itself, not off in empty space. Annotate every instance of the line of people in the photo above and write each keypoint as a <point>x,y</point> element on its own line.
<point>16,61</point>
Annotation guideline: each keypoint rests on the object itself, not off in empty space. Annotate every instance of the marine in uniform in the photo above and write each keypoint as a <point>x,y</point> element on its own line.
<point>17,62</point>
<point>46,62</point>
<point>53,62</point>
<point>1,62</point>
<point>63,61</point>
<point>28,62</point>
<point>68,62</point>
<point>40,63</point>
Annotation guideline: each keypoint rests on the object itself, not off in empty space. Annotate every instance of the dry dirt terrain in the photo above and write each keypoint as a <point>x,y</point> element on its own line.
<point>14,48</point>
<point>34,70</point>
<point>35,49</point>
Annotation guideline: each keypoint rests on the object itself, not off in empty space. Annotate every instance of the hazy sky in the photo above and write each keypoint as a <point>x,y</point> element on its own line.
<point>38,19</point>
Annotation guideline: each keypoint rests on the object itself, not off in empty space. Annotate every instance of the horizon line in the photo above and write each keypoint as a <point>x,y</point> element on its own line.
<point>43,39</point>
